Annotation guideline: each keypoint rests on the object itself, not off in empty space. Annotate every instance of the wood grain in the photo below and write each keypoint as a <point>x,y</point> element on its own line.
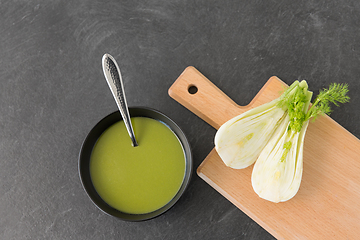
<point>327,205</point>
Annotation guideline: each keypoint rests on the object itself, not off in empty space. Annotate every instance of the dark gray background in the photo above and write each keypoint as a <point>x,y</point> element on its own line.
<point>52,92</point>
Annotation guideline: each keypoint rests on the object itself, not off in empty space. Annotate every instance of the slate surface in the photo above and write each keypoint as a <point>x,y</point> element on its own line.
<point>52,92</point>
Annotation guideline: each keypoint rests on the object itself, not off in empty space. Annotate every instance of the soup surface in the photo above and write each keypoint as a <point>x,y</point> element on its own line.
<point>140,179</point>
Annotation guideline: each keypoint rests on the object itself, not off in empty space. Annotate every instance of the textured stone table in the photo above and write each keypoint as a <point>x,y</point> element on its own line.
<point>52,92</point>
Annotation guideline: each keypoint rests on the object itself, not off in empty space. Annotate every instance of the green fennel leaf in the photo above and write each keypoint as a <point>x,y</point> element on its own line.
<point>336,93</point>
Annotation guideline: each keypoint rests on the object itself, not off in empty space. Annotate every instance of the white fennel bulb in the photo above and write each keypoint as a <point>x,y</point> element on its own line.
<point>240,140</point>
<point>272,135</point>
<point>277,173</point>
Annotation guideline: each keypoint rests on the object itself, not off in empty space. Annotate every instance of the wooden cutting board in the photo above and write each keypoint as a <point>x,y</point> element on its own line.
<point>327,205</point>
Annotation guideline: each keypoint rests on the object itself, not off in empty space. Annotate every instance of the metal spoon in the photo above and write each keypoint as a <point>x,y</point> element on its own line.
<point>114,80</point>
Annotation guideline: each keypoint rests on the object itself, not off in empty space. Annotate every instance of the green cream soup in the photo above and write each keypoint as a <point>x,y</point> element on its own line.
<point>140,179</point>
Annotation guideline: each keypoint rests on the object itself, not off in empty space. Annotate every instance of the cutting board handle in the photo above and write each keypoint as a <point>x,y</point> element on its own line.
<point>195,92</point>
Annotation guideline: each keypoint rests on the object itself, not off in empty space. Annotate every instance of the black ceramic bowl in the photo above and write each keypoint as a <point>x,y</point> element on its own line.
<point>92,137</point>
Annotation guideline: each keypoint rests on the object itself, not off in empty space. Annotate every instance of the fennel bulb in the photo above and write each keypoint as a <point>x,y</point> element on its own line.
<point>277,173</point>
<point>272,135</point>
<point>240,140</point>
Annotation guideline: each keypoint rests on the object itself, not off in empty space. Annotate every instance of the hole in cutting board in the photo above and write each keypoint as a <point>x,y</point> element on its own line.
<point>192,89</point>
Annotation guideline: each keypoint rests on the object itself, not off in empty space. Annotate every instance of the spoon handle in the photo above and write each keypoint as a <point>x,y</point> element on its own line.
<point>114,80</point>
